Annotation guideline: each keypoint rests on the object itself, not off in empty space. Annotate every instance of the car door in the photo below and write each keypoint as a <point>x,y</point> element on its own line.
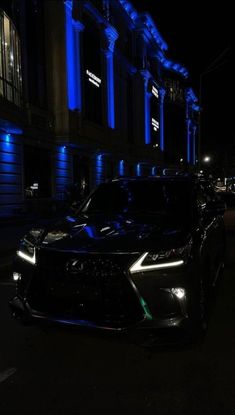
<point>213,230</point>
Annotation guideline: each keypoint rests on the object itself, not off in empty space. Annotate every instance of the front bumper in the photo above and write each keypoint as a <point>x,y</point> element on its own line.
<point>141,300</point>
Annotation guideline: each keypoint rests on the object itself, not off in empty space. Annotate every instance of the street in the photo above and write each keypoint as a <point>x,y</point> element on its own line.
<point>60,370</point>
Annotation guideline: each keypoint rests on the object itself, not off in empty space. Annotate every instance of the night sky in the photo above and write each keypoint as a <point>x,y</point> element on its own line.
<point>196,41</point>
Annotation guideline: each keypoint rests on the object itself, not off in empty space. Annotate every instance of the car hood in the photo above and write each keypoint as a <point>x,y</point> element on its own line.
<point>99,233</point>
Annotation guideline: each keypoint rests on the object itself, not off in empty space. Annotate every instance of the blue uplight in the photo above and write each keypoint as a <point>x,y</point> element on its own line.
<point>138,169</point>
<point>99,169</point>
<point>147,117</point>
<point>121,168</point>
<point>63,169</point>
<point>154,171</point>
<point>73,59</point>
<point>110,80</point>
<point>111,35</point>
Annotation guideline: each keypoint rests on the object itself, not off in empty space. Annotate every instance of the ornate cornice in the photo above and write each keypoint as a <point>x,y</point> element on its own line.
<point>147,22</point>
<point>79,26</point>
<point>111,36</point>
<point>172,66</point>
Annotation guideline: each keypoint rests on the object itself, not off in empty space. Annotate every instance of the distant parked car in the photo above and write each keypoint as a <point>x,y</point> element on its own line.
<point>139,252</point>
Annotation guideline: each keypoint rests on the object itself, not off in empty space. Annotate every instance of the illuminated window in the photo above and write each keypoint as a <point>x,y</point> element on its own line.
<point>10,62</point>
<point>175,92</point>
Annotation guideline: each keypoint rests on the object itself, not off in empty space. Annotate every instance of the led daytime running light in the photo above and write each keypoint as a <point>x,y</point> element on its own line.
<point>138,267</point>
<point>28,258</point>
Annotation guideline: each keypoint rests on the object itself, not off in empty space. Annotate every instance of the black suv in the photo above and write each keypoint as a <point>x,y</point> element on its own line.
<point>139,252</point>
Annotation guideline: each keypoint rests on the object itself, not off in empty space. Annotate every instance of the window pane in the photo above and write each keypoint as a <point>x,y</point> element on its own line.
<point>1,87</point>
<point>10,64</point>
<point>1,40</point>
<point>7,48</point>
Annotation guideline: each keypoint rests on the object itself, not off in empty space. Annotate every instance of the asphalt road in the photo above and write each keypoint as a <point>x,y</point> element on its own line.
<point>56,370</point>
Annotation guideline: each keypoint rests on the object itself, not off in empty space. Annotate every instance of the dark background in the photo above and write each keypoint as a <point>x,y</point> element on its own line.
<point>197,33</point>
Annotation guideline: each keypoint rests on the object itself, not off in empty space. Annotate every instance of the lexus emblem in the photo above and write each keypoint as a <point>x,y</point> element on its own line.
<point>75,266</point>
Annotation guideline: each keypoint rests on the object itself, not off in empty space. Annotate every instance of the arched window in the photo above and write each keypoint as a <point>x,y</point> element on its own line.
<point>10,61</point>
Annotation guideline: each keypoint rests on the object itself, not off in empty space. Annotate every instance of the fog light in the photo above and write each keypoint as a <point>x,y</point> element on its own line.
<point>178,292</point>
<point>16,276</point>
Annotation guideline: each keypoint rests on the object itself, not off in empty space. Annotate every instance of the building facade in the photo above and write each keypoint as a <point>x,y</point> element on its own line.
<point>87,93</point>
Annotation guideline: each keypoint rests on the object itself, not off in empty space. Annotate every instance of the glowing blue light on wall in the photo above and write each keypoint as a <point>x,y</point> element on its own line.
<point>73,58</point>
<point>130,10</point>
<point>63,170</point>
<point>168,64</point>
<point>99,169</point>
<point>8,150</point>
<point>154,171</point>
<point>110,91</point>
<point>147,117</point>
<point>138,169</point>
<point>111,37</point>
<point>162,96</point>
<point>151,26</point>
<point>121,168</point>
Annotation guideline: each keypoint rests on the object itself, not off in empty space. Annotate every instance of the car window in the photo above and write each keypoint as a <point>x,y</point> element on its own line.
<point>166,197</point>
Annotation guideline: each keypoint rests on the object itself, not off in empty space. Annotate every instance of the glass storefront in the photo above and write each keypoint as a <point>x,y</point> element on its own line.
<point>10,61</point>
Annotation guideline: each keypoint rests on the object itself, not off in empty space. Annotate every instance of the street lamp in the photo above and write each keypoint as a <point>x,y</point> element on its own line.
<point>207,159</point>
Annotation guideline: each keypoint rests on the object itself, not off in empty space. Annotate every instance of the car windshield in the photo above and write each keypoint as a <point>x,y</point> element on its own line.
<point>150,197</point>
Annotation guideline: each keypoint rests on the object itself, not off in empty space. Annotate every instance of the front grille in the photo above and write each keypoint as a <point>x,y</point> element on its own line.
<point>85,287</point>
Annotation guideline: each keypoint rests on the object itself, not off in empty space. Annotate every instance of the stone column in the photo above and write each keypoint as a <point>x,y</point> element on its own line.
<point>73,60</point>
<point>147,96</point>
<point>110,37</point>
<point>78,28</point>
<point>162,93</point>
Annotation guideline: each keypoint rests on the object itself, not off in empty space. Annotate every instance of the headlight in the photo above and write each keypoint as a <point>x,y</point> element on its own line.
<point>33,236</point>
<point>54,236</point>
<point>163,259</point>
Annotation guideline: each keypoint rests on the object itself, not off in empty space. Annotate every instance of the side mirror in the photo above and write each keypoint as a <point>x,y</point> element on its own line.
<point>216,207</point>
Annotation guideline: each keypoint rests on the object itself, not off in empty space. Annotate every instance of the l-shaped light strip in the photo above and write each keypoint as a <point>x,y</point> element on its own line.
<point>138,267</point>
<point>31,259</point>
